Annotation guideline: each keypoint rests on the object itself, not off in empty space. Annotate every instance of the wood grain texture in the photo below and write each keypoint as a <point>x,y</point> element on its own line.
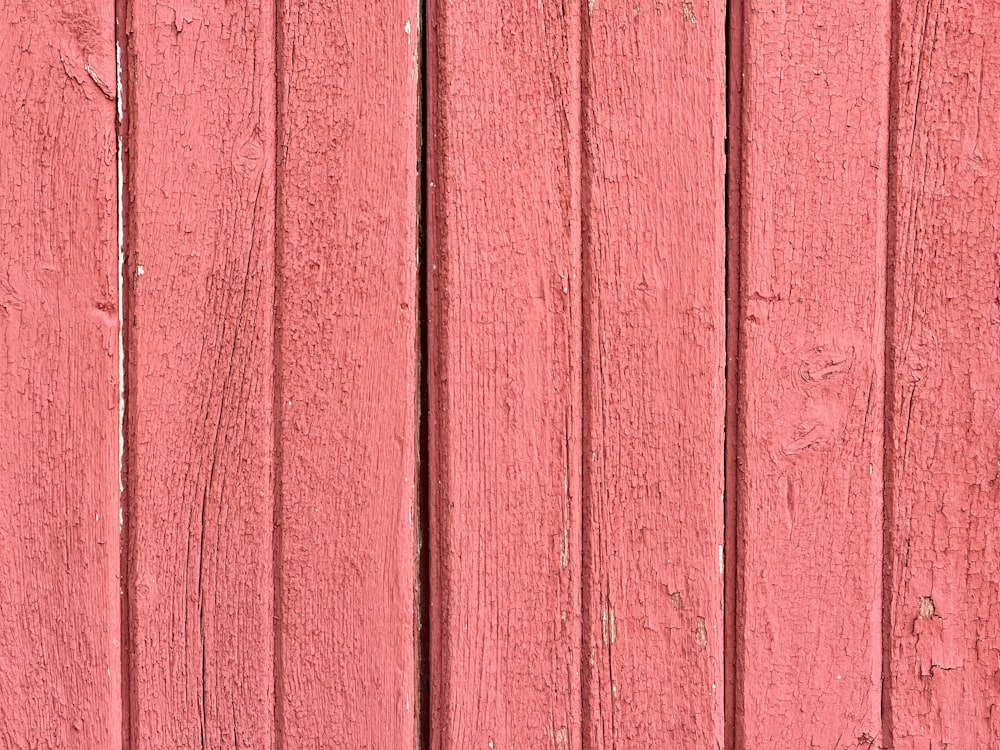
<point>654,388</point>
<point>945,386</point>
<point>504,343</point>
<point>199,281</point>
<point>814,149</point>
<point>347,347</point>
<point>59,601</point>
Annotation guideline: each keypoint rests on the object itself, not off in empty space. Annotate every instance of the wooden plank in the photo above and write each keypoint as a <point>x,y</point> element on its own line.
<point>944,397</point>
<point>347,379</point>
<point>654,387</point>
<point>814,150</point>
<point>504,358</point>
<point>60,672</point>
<point>199,283</point>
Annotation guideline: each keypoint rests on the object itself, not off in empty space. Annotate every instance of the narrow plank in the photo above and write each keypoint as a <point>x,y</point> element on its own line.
<point>347,341</point>
<point>504,378</point>
<point>814,150</point>
<point>944,397</point>
<point>654,384</point>
<point>60,672</point>
<point>199,283</point>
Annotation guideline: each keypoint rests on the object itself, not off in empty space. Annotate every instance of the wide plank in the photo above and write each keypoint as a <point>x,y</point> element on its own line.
<point>60,666</point>
<point>198,283</point>
<point>654,383</point>
<point>347,378</point>
<point>504,344</point>
<point>944,390</point>
<point>814,132</point>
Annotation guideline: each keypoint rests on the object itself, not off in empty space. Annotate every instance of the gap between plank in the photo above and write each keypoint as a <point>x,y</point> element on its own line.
<point>586,500</point>
<point>124,308</point>
<point>422,583</point>
<point>732,699</point>
<point>888,401</point>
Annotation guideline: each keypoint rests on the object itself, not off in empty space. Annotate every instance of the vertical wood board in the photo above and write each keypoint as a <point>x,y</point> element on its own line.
<point>812,259</point>
<point>944,636</point>
<point>199,278</point>
<point>60,664</point>
<point>654,390</point>
<point>347,350</point>
<point>504,358</point>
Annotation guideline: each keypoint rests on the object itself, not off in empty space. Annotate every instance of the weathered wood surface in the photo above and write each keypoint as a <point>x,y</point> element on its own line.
<point>654,390</point>
<point>504,357</point>
<point>59,603</point>
<point>199,278</point>
<point>580,425</point>
<point>814,132</point>
<point>347,381</point>
<point>944,636</point>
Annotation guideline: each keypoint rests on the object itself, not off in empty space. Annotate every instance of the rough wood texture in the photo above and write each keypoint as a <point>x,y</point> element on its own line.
<point>945,386</point>
<point>199,279</point>
<point>814,149</point>
<point>654,389</point>
<point>59,612</point>
<point>504,311</point>
<point>347,213</point>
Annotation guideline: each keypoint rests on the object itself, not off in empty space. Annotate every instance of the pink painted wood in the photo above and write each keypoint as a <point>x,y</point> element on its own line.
<point>347,388</point>
<point>504,358</point>
<point>654,393</point>
<point>944,636</point>
<point>199,279</point>
<point>60,661</point>
<point>814,131</point>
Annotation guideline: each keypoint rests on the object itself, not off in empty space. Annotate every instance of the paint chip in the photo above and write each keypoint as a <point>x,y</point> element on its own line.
<point>925,608</point>
<point>688,8</point>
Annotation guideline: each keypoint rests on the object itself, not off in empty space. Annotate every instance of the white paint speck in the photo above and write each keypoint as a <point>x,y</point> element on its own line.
<point>407,29</point>
<point>722,560</point>
<point>140,270</point>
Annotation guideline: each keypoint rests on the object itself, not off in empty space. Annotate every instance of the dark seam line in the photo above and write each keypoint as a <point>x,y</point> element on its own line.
<point>732,697</point>
<point>122,60</point>
<point>423,551</point>
<point>586,482</point>
<point>277,410</point>
<point>888,403</point>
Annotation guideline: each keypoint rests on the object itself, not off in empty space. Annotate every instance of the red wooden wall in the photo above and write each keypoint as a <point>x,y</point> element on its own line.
<point>514,375</point>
